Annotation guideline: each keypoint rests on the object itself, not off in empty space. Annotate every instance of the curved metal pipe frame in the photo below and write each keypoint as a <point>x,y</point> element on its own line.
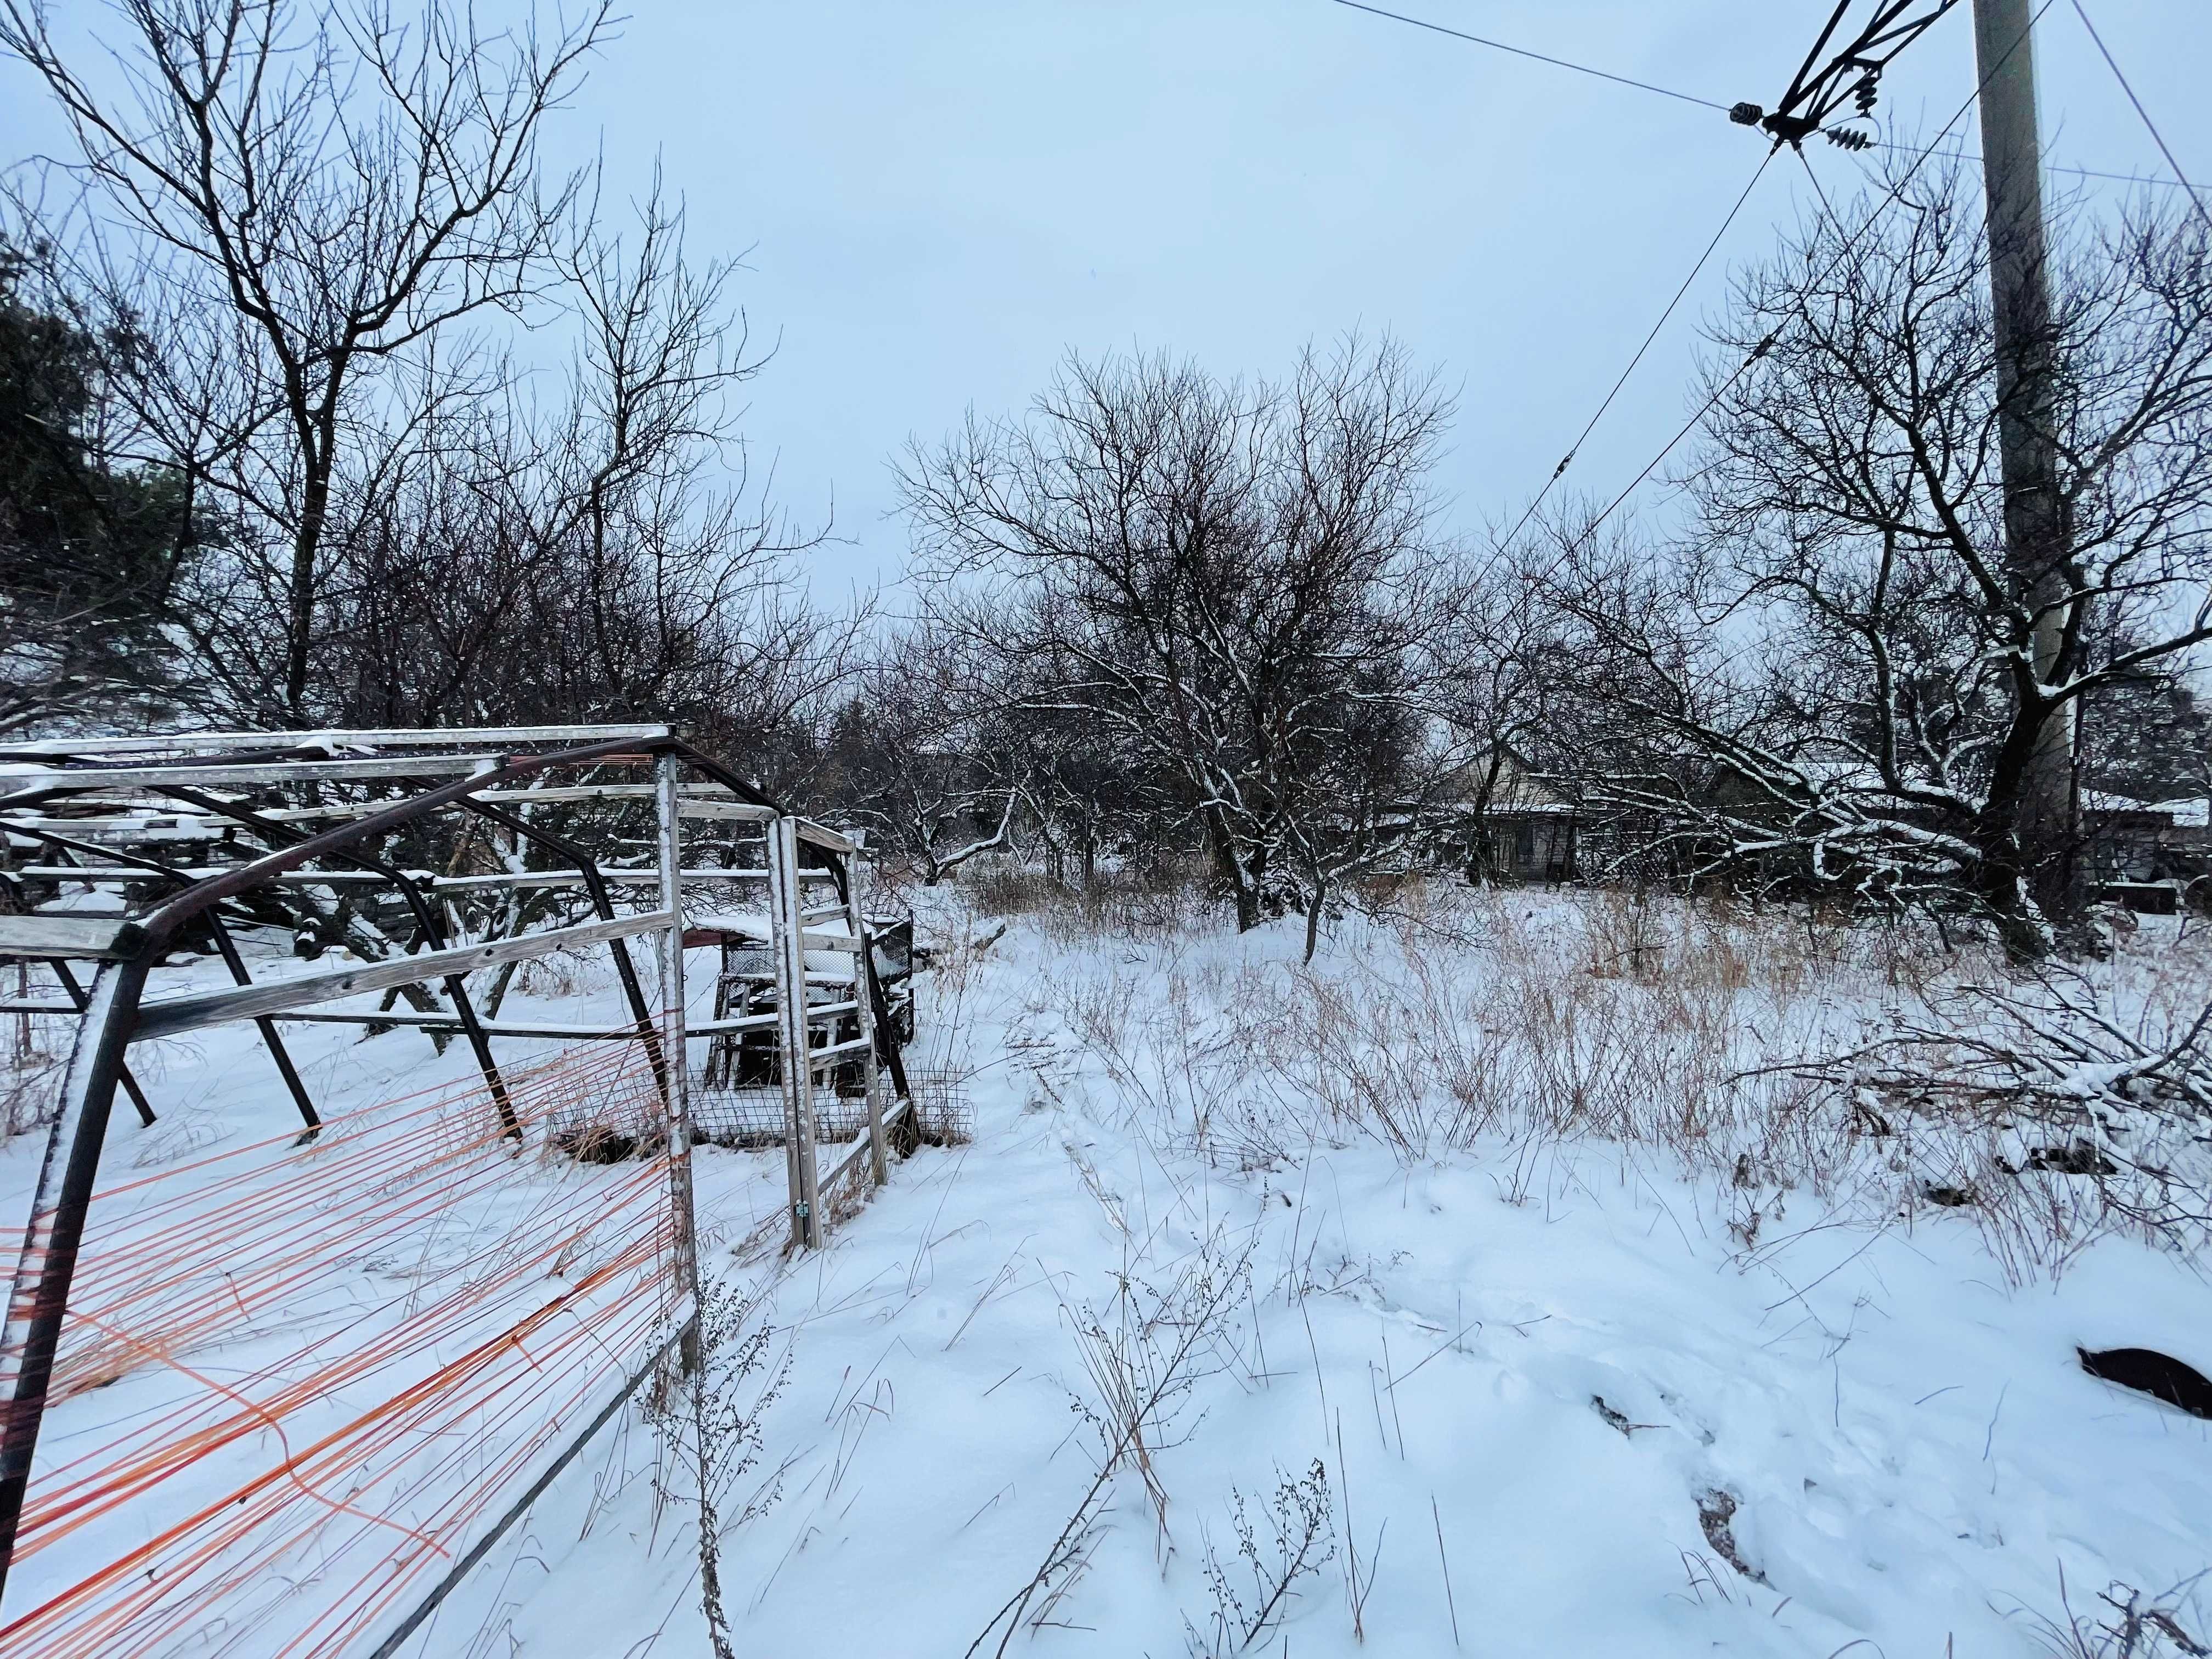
<point>39,1296</point>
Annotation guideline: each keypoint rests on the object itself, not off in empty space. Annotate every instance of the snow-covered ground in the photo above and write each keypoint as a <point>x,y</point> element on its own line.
<point>1552,1380</point>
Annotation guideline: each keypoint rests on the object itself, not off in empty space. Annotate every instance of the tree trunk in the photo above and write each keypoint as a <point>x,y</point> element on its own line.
<point>1242,888</point>
<point>315,503</point>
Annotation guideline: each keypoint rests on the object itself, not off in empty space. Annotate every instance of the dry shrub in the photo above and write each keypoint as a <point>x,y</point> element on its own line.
<point>1693,1028</point>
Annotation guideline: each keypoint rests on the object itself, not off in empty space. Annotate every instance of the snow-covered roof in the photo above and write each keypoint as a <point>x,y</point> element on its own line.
<point>2185,812</point>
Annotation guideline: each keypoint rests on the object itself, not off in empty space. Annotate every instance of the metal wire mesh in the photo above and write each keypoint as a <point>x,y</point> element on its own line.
<point>751,1115</point>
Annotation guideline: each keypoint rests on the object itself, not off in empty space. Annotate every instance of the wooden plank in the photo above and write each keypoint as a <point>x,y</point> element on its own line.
<point>167,1016</point>
<point>735,1023</point>
<point>99,939</point>
<point>110,873</point>
<point>792,1040</point>
<point>816,835</point>
<point>743,811</point>
<point>575,878</point>
<point>836,1052</point>
<point>464,737</point>
<point>862,1145</point>
<point>872,1079</point>
<point>599,791</point>
<point>94,875</point>
<point>128,815</point>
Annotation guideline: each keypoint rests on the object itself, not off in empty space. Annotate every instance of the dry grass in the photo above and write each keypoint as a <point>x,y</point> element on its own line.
<point>1728,1040</point>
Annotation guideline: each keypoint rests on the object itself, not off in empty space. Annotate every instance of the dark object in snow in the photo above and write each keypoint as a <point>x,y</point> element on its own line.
<point>983,942</point>
<point>1614,1419</point>
<point>1716,1509</point>
<point>1951,1198</point>
<point>597,1143</point>
<point>2160,1376</point>
<point>2079,1157</point>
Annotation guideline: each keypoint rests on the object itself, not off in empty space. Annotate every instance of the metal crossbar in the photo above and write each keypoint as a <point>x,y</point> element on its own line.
<point>51,795</point>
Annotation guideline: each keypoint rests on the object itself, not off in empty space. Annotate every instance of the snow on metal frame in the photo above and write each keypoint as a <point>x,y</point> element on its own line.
<point>49,1260</point>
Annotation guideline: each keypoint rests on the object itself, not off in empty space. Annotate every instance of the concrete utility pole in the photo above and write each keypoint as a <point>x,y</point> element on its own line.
<point>2036,533</point>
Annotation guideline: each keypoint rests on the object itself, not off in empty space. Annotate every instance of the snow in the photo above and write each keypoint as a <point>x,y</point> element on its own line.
<point>1915,1456</point>
<point>2188,812</point>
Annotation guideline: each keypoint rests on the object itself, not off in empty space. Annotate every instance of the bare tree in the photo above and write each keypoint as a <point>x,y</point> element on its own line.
<point>1843,637</point>
<point>1503,669</point>
<point>1227,578</point>
<point>921,755</point>
<point>611,561</point>
<point>346,184</point>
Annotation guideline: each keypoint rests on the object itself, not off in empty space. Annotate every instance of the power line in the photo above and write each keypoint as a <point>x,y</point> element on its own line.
<point>2157,137</point>
<point>1522,52</point>
<point>2053,166</point>
<point>1559,471</point>
<point>1708,103</point>
<point>1766,344</point>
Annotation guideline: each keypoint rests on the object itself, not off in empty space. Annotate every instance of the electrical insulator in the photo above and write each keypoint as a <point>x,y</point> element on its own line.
<point>1746,115</point>
<point>1847,138</point>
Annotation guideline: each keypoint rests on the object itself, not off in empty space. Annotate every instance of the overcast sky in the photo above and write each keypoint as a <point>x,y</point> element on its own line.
<point>941,199</point>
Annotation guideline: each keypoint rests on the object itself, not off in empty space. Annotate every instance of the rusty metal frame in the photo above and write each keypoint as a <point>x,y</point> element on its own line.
<point>126,951</point>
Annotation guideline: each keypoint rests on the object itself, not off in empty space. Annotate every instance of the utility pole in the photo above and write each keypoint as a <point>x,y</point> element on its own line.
<point>2037,539</point>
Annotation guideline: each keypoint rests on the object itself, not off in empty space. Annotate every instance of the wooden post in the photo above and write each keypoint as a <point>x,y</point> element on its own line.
<point>797,1066</point>
<point>878,1153</point>
<point>2036,535</point>
<point>676,1095</point>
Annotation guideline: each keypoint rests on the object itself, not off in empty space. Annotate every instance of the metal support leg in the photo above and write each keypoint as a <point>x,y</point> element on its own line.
<point>278,835</point>
<point>77,996</point>
<point>270,1039</point>
<point>871,1072</point>
<point>798,1066</point>
<point>677,1074</point>
<point>44,1271</point>
<point>223,945</point>
<point>603,906</point>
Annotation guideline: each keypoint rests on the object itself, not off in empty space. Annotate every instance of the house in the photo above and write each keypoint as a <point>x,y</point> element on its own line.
<point>1530,829</point>
<point>2146,854</point>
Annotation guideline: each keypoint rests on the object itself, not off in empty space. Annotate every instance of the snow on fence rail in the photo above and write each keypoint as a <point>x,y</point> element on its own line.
<point>333,1365</point>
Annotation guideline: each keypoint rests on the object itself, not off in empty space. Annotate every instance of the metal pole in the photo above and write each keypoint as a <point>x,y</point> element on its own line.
<point>871,1072</point>
<point>797,1066</point>
<point>79,1001</point>
<point>603,906</point>
<point>2037,539</point>
<point>40,1297</point>
<point>677,1071</point>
